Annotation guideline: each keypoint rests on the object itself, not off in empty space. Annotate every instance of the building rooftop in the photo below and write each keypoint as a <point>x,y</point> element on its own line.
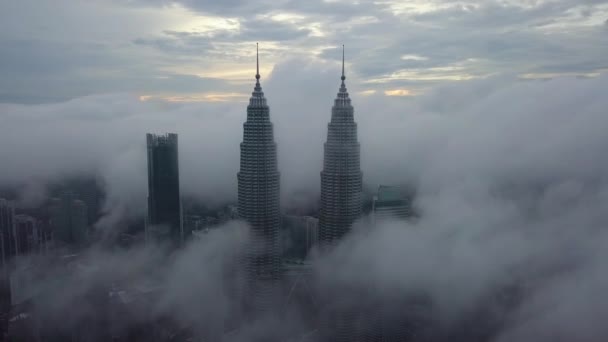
<point>162,139</point>
<point>388,193</point>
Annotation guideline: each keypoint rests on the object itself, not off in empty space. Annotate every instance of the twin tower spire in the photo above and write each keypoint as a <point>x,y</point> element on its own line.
<point>257,61</point>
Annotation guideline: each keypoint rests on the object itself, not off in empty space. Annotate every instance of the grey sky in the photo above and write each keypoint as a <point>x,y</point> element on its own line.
<point>203,50</point>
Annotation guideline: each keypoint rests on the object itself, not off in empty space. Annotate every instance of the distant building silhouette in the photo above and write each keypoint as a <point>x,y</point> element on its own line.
<point>5,302</point>
<point>8,247</point>
<point>301,233</point>
<point>259,202</point>
<point>341,178</point>
<point>31,235</point>
<point>68,219</point>
<point>392,202</point>
<point>312,232</point>
<point>87,189</point>
<point>164,202</point>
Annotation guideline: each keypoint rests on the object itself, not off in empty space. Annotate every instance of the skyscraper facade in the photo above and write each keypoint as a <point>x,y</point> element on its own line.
<point>341,178</point>
<point>164,202</point>
<point>68,219</point>
<point>341,205</point>
<point>259,202</point>
<point>391,202</point>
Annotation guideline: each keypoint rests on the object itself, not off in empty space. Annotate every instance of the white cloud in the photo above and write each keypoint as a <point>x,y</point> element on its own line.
<point>414,58</point>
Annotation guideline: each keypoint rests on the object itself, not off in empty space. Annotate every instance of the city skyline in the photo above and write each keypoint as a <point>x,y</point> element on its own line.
<point>455,191</point>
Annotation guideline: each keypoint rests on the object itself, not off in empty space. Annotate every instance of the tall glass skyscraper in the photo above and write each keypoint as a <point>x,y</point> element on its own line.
<point>259,202</point>
<point>341,177</point>
<point>164,202</point>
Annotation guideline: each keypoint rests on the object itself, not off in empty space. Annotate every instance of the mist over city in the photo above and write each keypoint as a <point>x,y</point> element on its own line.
<point>303,171</point>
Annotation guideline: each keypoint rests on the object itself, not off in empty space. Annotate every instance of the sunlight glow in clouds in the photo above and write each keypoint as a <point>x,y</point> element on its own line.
<point>416,6</point>
<point>398,92</point>
<point>231,72</point>
<point>367,92</point>
<point>237,70</point>
<point>448,73</point>
<point>414,58</point>
<point>548,76</point>
<point>468,69</point>
<point>202,24</point>
<point>210,26</point>
<point>203,97</point>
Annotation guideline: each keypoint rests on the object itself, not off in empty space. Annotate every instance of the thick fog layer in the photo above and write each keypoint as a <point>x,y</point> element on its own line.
<point>511,180</point>
<point>499,129</point>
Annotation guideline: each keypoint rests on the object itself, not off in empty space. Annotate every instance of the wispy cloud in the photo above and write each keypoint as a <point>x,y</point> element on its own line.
<point>98,47</point>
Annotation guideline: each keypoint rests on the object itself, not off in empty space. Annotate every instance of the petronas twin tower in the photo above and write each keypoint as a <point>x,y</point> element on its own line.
<point>341,176</point>
<point>259,201</point>
<point>259,188</point>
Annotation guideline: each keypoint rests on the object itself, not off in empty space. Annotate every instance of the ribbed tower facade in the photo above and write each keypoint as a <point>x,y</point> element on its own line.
<point>259,202</point>
<point>341,176</point>
<point>341,187</point>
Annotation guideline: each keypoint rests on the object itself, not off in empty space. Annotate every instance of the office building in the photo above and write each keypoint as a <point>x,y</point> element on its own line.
<point>164,223</point>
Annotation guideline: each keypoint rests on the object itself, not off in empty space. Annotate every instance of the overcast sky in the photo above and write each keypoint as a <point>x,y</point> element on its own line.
<point>203,50</point>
